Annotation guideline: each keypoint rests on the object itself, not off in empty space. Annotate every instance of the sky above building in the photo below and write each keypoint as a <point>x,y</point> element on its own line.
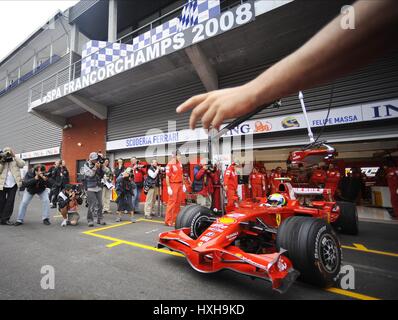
<point>20,18</point>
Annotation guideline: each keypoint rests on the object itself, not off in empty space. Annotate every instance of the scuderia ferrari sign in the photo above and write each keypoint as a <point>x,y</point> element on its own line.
<point>227,21</point>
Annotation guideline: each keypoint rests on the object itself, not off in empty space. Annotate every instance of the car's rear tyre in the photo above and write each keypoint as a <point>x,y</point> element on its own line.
<point>347,222</point>
<point>313,248</point>
<point>195,217</point>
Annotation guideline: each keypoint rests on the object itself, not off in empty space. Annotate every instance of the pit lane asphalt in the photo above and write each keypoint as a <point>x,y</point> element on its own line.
<point>94,265</point>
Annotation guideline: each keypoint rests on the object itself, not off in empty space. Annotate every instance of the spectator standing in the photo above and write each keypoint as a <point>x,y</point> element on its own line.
<point>35,183</point>
<point>93,172</point>
<point>119,168</point>
<point>60,178</point>
<point>152,185</point>
<point>107,187</point>
<point>10,181</point>
<point>125,187</point>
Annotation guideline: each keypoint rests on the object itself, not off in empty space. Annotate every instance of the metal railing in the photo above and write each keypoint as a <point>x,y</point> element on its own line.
<point>73,70</point>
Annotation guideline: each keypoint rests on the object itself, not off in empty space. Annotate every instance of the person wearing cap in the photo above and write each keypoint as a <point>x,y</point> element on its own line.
<point>93,173</point>
<point>10,181</point>
<point>231,186</point>
<point>175,188</point>
<point>35,182</point>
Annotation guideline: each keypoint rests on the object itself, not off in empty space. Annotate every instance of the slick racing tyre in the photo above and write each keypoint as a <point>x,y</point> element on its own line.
<point>347,222</point>
<point>313,248</point>
<point>195,217</point>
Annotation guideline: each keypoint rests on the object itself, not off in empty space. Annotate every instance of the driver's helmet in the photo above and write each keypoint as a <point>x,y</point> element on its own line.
<point>276,200</point>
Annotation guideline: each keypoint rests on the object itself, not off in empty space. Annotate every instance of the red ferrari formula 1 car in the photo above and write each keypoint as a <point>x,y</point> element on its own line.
<point>278,238</point>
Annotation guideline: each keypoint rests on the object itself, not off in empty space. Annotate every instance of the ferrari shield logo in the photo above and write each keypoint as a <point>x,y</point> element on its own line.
<point>278,219</point>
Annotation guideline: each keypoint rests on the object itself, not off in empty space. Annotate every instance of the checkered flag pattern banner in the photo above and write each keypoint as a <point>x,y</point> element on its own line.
<point>97,54</point>
<point>198,11</point>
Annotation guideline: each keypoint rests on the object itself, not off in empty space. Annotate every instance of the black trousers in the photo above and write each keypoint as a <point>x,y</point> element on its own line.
<point>7,199</point>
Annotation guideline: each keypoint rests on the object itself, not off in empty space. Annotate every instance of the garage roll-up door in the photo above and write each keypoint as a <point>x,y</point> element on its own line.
<point>376,82</point>
<point>136,117</point>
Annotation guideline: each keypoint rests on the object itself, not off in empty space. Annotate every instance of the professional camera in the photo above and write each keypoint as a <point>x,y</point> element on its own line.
<point>101,158</point>
<point>5,156</point>
<point>77,189</point>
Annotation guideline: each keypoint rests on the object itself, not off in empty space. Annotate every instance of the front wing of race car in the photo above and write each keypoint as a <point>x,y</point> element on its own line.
<point>209,258</point>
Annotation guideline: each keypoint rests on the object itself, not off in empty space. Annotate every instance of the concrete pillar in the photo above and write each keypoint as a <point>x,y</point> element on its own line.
<point>7,79</point>
<point>74,38</point>
<point>51,51</point>
<point>206,72</point>
<point>112,21</point>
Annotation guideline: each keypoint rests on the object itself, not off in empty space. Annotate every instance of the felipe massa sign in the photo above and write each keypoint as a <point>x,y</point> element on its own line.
<point>227,21</point>
<point>338,116</point>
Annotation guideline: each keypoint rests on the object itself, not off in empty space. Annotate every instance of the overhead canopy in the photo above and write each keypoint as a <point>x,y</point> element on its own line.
<point>92,18</point>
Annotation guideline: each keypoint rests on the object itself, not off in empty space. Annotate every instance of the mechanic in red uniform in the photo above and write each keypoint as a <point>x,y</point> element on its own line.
<point>318,177</point>
<point>175,188</point>
<point>256,183</point>
<point>139,173</point>
<point>275,183</point>
<point>231,186</point>
<point>392,180</point>
<point>332,178</point>
<point>216,196</point>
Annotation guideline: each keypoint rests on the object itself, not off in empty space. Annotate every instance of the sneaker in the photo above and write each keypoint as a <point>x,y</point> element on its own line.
<point>46,222</point>
<point>91,224</point>
<point>7,223</point>
<point>133,220</point>
<point>64,223</point>
<point>101,223</point>
<point>118,219</point>
<point>148,217</point>
<point>52,206</point>
<point>18,223</point>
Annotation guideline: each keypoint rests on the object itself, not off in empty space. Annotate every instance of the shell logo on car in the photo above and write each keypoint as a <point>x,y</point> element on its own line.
<point>227,220</point>
<point>262,127</point>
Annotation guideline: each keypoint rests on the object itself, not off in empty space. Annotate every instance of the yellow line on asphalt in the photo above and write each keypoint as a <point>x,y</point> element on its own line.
<point>117,242</point>
<point>149,220</point>
<point>350,294</point>
<point>106,228</point>
<point>362,248</point>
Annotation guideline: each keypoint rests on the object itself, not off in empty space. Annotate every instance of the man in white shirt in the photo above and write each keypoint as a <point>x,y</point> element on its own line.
<point>10,181</point>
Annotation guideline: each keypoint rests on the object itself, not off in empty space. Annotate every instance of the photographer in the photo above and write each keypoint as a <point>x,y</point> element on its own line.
<point>125,187</point>
<point>35,182</point>
<point>139,172</point>
<point>203,185</point>
<point>93,173</point>
<point>10,181</point>
<point>119,168</point>
<point>151,187</point>
<point>59,179</point>
<point>69,200</point>
<point>107,182</point>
